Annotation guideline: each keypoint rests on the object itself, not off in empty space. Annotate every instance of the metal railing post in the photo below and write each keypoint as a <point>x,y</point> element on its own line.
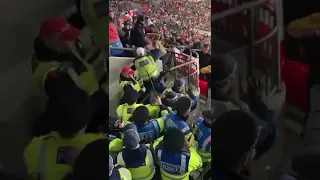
<point>279,25</point>
<point>251,37</point>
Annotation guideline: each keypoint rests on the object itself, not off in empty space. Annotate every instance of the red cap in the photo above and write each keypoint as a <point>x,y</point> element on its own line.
<point>60,28</point>
<point>128,70</point>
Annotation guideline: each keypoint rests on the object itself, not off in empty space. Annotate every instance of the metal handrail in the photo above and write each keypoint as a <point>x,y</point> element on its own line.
<point>252,42</point>
<point>257,42</point>
<point>189,64</point>
<point>235,10</point>
<point>117,48</point>
<point>181,65</point>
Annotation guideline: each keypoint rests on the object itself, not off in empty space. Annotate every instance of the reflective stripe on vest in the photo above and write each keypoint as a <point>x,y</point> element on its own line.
<point>86,80</point>
<point>122,113</point>
<point>135,86</point>
<point>170,123</point>
<point>42,161</point>
<point>183,163</point>
<point>205,143</point>
<point>185,129</point>
<point>124,174</point>
<point>144,70</point>
<point>149,161</point>
<point>205,157</point>
<point>140,81</point>
<point>74,76</point>
<point>156,127</point>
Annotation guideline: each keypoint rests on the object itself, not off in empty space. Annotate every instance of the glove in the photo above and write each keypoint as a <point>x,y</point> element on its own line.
<point>255,100</point>
<point>190,93</point>
<point>162,74</point>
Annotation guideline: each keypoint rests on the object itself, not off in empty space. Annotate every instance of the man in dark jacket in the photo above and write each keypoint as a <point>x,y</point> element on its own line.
<point>137,35</point>
<point>204,60</point>
<point>126,29</point>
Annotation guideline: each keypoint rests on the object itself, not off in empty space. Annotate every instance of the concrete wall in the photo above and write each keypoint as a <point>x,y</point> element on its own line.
<point>20,22</point>
<point>19,25</point>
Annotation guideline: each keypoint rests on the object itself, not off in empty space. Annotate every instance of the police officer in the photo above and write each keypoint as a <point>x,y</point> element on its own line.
<point>115,143</point>
<point>223,90</point>
<point>177,87</point>
<point>124,111</point>
<point>178,119</point>
<point>169,99</point>
<point>149,130</point>
<point>47,157</point>
<point>137,158</point>
<point>176,160</point>
<point>203,135</point>
<point>54,59</point>
<point>146,68</point>
<point>127,78</point>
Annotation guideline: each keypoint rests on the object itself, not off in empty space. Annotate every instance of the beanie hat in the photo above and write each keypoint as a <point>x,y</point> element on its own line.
<point>182,104</point>
<point>140,115</point>
<point>173,140</point>
<point>178,83</point>
<point>233,134</point>
<point>222,68</point>
<point>131,139</point>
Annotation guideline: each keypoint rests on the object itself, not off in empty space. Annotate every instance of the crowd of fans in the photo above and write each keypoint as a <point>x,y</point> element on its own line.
<point>177,23</point>
<point>72,139</point>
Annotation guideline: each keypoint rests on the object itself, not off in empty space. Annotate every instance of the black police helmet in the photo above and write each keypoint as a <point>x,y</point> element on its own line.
<point>222,68</point>
<point>87,166</point>
<point>233,134</point>
<point>140,115</point>
<point>173,140</point>
<point>182,105</point>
